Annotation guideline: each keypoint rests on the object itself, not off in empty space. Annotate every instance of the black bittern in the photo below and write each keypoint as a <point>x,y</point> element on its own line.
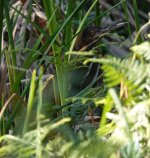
<point>88,40</point>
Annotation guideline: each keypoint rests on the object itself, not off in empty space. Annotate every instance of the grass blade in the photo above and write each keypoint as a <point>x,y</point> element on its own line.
<point>30,102</point>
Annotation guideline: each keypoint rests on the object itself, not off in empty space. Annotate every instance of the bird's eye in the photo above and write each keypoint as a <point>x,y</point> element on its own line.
<point>92,32</point>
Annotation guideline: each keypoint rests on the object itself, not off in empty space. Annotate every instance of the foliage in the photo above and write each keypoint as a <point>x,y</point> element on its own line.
<point>44,112</point>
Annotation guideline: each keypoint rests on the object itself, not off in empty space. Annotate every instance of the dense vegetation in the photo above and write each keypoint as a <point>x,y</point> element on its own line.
<point>44,110</point>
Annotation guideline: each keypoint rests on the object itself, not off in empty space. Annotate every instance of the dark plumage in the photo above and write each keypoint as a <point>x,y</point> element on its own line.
<point>87,39</point>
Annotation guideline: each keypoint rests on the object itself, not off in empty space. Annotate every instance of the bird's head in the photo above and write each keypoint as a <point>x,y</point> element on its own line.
<point>87,39</point>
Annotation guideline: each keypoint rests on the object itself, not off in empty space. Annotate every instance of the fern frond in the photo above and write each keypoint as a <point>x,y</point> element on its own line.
<point>134,75</point>
<point>142,50</point>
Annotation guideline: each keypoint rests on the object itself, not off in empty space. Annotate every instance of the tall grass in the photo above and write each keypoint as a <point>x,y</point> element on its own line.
<point>1,25</point>
<point>127,17</point>
<point>11,41</point>
<point>137,19</point>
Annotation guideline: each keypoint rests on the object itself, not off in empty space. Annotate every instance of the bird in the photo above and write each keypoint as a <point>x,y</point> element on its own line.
<point>87,40</point>
<point>91,35</point>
